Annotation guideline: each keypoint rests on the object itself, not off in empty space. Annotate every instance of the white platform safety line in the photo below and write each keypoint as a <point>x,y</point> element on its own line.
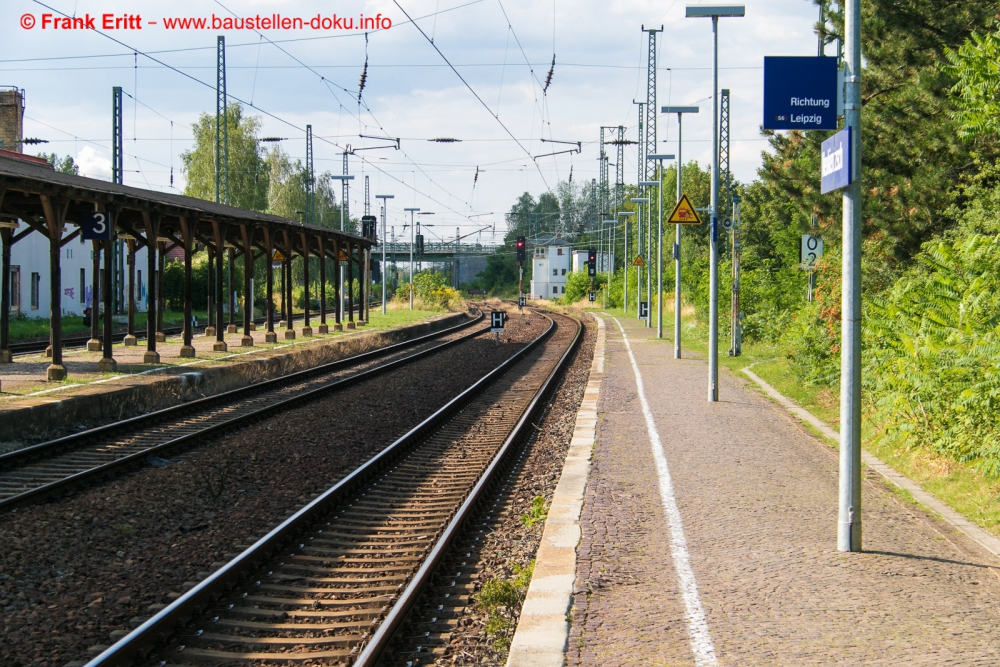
<point>701,640</point>
<point>542,634</point>
<point>985,539</point>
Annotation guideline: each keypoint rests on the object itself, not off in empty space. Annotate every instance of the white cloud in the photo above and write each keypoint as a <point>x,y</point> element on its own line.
<point>93,163</point>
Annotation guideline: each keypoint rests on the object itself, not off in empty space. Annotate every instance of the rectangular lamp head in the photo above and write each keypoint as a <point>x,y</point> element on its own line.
<point>649,184</point>
<point>659,156</point>
<point>715,10</point>
<point>385,196</point>
<point>640,200</point>
<point>341,177</point>
<point>411,209</point>
<point>678,109</point>
<point>626,213</point>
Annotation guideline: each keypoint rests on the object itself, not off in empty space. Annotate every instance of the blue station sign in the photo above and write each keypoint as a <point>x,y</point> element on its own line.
<point>835,167</point>
<point>800,93</point>
<point>96,226</point>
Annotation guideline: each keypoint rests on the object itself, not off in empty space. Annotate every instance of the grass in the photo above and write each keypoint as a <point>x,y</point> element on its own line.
<point>964,489</point>
<point>30,328</point>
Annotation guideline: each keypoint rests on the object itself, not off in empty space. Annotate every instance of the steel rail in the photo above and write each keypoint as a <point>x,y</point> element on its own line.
<point>12,460</point>
<point>374,648</point>
<point>201,597</point>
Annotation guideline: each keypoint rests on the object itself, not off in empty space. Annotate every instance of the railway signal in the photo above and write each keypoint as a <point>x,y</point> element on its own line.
<point>520,245</point>
<point>591,262</point>
<point>521,249</point>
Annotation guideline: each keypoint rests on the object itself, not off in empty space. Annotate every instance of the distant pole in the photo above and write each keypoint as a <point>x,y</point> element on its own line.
<point>221,126</point>
<point>383,241</point>
<point>680,111</point>
<point>849,528</point>
<point>412,211</point>
<point>714,12</point>
<point>117,176</point>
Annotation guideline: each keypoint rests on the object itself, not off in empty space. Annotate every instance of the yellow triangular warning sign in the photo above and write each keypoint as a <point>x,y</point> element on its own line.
<point>277,256</point>
<point>342,257</point>
<point>684,213</point>
<point>639,261</point>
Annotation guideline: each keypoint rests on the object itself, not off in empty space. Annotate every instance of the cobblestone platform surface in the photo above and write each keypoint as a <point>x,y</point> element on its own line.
<point>757,496</point>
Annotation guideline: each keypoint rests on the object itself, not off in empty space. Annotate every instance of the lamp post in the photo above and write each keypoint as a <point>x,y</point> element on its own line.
<point>659,157</point>
<point>639,201</point>
<point>384,207</point>
<point>343,178</point>
<point>649,251</point>
<point>626,215</point>
<point>849,520</point>
<point>680,111</point>
<point>714,12</point>
<point>412,211</point>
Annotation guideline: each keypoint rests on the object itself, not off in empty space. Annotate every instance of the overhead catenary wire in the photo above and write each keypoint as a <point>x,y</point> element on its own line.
<point>253,106</point>
<point>472,90</point>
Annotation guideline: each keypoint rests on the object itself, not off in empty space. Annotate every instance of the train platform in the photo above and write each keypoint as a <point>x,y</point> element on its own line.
<point>707,536</point>
<point>31,407</point>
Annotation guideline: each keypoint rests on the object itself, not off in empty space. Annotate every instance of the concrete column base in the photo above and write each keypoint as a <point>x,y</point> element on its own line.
<point>187,352</point>
<point>107,365</point>
<point>282,324</point>
<point>55,373</point>
<point>338,327</point>
<point>161,337</point>
<point>351,325</point>
<point>220,346</point>
<point>130,341</point>
<point>6,357</point>
<point>232,329</point>
<point>247,341</point>
<point>323,329</point>
<point>209,331</point>
<point>151,357</point>
<point>362,323</point>
<point>289,334</point>
<point>48,352</point>
<point>253,326</point>
<point>307,331</point>
<point>270,337</point>
<point>94,345</point>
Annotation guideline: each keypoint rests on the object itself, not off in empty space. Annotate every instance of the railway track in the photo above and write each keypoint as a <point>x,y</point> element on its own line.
<point>333,583</point>
<point>53,466</point>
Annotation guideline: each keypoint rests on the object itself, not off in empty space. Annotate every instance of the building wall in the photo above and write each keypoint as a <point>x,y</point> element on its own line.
<point>550,268</point>
<point>29,260</point>
<point>11,119</point>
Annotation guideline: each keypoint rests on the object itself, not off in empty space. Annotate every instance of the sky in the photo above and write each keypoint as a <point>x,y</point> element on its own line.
<point>472,70</point>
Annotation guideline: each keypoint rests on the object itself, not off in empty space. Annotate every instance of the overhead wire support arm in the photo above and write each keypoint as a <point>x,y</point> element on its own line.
<point>578,144</point>
<point>571,150</point>
<point>368,136</point>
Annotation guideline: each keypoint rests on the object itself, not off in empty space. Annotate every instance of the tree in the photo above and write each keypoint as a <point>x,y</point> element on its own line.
<point>248,175</point>
<point>66,165</point>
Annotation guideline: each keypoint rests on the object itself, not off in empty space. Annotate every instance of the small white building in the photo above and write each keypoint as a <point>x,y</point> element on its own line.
<point>550,264</point>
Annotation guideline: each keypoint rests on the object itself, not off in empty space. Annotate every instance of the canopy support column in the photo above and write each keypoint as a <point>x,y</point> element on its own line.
<point>306,329</point>
<point>323,328</point>
<point>220,338</point>
<point>269,335</point>
<point>130,339</point>
<point>247,340</point>
<point>152,224</point>
<point>55,212</point>
<point>187,234</point>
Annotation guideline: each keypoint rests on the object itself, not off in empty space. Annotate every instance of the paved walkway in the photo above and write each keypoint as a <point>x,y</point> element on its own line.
<point>723,551</point>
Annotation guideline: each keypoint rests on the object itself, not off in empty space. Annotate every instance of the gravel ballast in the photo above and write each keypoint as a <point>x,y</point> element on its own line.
<point>73,571</point>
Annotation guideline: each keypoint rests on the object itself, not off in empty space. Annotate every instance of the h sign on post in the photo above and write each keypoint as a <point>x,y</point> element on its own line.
<point>496,321</point>
<point>643,310</point>
<point>835,169</point>
<point>800,93</point>
<point>96,226</point>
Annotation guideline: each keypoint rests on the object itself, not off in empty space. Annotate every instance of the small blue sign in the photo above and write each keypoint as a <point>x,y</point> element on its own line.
<point>835,169</point>
<point>96,226</point>
<point>800,93</point>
